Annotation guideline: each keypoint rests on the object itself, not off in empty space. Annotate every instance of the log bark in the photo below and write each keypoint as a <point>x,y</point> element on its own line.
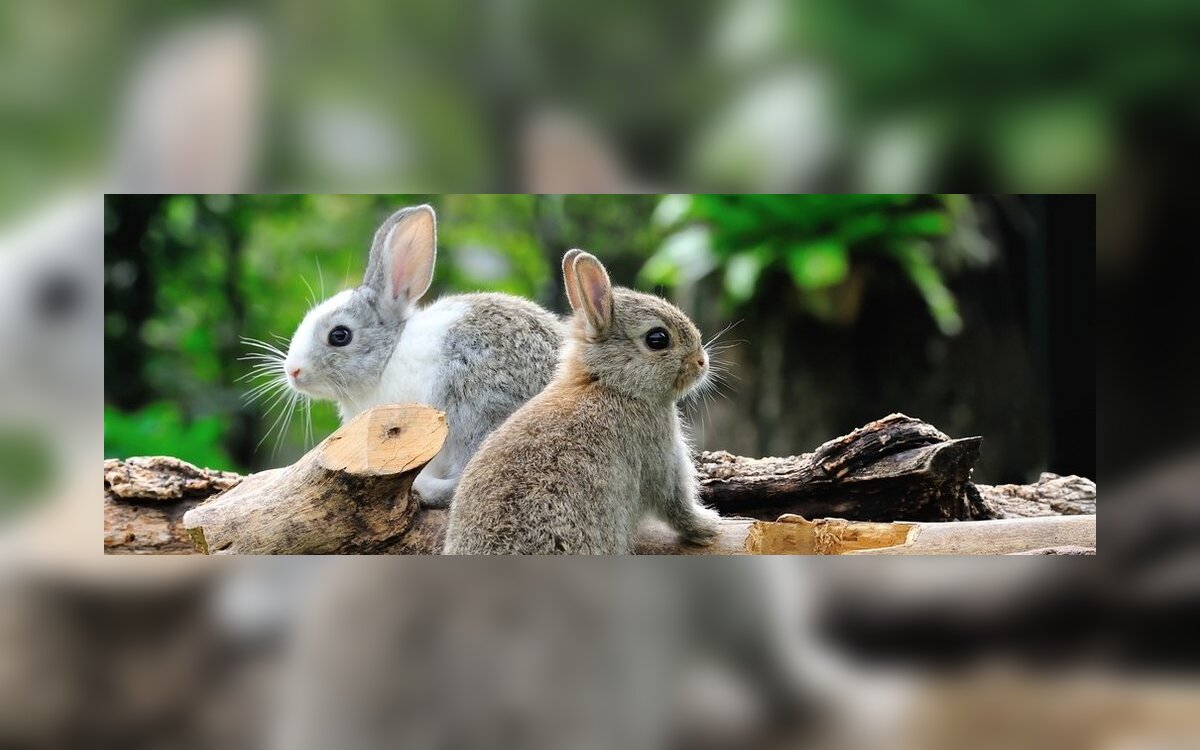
<point>747,536</point>
<point>352,493</point>
<point>892,468</point>
<point>145,499</point>
<point>1051,495</point>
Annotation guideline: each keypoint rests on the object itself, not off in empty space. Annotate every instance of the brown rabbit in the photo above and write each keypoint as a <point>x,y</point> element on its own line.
<point>575,469</point>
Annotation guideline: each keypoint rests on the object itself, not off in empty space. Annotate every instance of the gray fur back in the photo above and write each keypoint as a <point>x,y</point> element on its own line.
<point>501,353</point>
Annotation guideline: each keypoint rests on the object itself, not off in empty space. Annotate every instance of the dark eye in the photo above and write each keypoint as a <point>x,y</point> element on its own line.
<point>340,336</point>
<point>658,339</point>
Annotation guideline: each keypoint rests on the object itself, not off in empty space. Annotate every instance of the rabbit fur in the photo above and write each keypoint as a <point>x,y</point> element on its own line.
<point>477,357</point>
<point>575,469</point>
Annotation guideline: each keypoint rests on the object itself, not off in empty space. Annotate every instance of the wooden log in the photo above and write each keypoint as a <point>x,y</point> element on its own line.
<point>163,479</point>
<point>893,468</point>
<point>834,536</point>
<point>656,538</point>
<point>793,535</point>
<point>352,493</point>
<point>1050,495</point>
<point>145,499</point>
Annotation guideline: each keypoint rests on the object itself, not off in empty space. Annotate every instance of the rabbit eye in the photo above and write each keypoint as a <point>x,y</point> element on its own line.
<point>340,336</point>
<point>658,339</point>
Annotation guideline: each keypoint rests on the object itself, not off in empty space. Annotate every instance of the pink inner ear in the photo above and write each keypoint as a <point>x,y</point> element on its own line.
<point>398,279</point>
<point>596,289</point>
<point>598,293</point>
<point>410,255</point>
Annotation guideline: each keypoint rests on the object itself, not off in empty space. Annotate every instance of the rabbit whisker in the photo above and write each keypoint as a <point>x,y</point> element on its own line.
<point>721,375</point>
<point>277,394</point>
<point>724,345</point>
<point>258,371</point>
<point>258,391</point>
<point>722,332</point>
<point>308,423</point>
<point>265,346</point>
<point>281,422</point>
<point>269,388</point>
<point>271,407</point>
<point>312,296</point>
<point>264,362</point>
<point>270,374</point>
<point>264,370</point>
<point>288,423</point>
<point>707,413</point>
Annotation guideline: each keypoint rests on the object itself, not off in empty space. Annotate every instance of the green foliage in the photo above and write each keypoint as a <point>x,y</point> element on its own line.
<point>217,268</point>
<point>821,242</point>
<point>161,429</point>
<point>200,272</point>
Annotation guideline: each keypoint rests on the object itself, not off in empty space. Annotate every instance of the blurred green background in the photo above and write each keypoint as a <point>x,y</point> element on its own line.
<point>758,96</point>
<point>844,308</point>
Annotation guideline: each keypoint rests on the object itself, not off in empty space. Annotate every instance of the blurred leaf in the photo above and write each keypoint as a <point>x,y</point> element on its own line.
<point>819,264</point>
<point>671,210</point>
<point>742,272</point>
<point>915,259</point>
<point>929,223</point>
<point>684,256</point>
<point>863,227</point>
<point>819,239</point>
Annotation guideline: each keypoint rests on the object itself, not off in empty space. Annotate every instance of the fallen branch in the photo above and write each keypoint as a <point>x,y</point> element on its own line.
<point>352,493</point>
<point>895,467</point>
<point>1050,495</point>
<point>145,499</point>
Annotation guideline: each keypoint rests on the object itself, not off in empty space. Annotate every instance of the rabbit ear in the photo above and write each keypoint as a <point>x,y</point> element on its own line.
<point>570,282</point>
<point>595,291</point>
<point>403,255</point>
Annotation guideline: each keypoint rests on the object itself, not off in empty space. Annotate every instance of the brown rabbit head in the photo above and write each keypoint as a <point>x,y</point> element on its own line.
<point>634,343</point>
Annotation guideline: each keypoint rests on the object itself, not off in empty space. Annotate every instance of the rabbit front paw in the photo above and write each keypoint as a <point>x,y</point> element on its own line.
<point>434,492</point>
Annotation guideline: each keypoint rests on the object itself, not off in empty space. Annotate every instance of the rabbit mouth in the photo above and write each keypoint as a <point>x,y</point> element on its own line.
<point>689,379</point>
<point>310,389</point>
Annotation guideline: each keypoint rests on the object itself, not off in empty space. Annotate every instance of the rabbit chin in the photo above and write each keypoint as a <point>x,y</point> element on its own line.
<point>315,391</point>
<point>689,380</point>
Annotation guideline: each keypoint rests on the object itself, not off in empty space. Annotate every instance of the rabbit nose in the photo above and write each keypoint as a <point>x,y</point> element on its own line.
<point>295,373</point>
<point>701,360</point>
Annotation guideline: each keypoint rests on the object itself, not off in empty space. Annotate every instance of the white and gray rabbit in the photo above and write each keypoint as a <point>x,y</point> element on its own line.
<point>477,357</point>
<point>577,468</point>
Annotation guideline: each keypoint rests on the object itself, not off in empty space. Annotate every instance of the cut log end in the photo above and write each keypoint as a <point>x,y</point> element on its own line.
<point>391,439</point>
